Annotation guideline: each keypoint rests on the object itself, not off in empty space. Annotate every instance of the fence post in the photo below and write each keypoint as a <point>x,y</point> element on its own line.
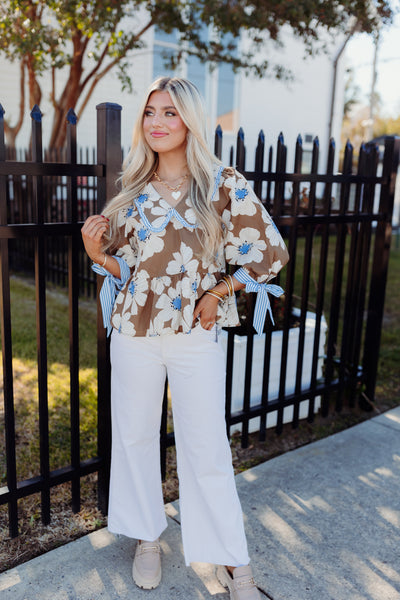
<point>6,344</point>
<point>73,310</point>
<point>218,142</point>
<point>380,265</point>
<point>109,154</point>
<point>41,319</point>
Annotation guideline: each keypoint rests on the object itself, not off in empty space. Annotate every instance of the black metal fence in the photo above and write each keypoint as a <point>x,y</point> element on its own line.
<point>56,206</point>
<point>325,346</point>
<point>36,231</point>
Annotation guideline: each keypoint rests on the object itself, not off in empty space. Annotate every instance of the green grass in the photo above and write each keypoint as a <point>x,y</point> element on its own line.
<point>388,382</point>
<point>24,352</point>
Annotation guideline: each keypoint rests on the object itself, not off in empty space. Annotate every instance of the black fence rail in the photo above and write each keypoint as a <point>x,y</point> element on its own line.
<point>325,345</point>
<point>56,206</point>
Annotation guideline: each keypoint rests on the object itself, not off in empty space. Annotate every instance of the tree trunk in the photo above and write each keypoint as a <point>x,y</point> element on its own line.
<point>11,132</point>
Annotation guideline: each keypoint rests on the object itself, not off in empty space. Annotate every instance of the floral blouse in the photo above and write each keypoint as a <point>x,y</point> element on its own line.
<point>163,273</point>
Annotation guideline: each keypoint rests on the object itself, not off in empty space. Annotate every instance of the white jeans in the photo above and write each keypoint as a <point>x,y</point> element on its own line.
<point>211,515</point>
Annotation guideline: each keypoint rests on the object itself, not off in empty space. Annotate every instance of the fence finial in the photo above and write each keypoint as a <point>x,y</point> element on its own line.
<point>349,145</point>
<point>36,114</point>
<point>299,140</point>
<point>71,117</point>
<point>316,141</point>
<point>2,111</point>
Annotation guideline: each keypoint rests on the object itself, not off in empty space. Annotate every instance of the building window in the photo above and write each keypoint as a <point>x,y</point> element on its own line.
<point>222,103</point>
<point>165,48</point>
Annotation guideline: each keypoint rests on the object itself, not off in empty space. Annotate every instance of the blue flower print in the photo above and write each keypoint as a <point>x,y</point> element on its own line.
<point>194,287</point>
<point>176,303</point>
<point>142,198</point>
<point>130,211</point>
<point>241,194</point>
<point>245,248</point>
<point>143,234</point>
<point>183,269</point>
<point>132,288</point>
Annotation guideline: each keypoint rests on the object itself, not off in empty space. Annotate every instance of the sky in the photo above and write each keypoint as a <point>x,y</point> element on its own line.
<point>360,54</point>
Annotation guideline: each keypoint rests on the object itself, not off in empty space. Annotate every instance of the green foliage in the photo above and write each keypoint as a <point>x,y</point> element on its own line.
<point>91,37</point>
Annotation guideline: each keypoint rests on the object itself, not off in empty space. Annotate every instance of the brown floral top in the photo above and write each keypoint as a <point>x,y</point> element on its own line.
<point>162,271</point>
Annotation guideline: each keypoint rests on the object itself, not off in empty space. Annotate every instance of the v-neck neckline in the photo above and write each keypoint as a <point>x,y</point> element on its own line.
<point>160,197</point>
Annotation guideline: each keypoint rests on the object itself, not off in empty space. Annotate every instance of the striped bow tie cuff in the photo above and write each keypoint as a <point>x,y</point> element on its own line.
<point>262,303</point>
<point>110,288</point>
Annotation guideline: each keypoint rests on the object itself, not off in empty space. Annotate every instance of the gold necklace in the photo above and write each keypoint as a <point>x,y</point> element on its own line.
<point>175,191</point>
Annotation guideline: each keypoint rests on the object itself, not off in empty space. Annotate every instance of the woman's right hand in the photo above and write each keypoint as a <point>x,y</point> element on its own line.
<point>93,231</point>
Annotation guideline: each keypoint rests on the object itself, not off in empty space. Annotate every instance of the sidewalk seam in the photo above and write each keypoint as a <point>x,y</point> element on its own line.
<point>265,593</point>
<point>388,426</point>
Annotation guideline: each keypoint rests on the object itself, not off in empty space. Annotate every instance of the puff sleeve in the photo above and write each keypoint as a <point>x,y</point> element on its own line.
<point>252,243</point>
<point>126,255</point>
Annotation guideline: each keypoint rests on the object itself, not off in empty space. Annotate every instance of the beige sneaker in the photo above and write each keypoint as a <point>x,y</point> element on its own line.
<point>146,570</point>
<point>241,585</point>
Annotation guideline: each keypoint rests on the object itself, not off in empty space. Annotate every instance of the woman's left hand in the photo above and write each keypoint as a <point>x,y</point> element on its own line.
<point>206,311</point>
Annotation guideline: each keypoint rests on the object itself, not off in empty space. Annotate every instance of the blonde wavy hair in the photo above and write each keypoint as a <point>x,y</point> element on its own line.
<point>142,161</point>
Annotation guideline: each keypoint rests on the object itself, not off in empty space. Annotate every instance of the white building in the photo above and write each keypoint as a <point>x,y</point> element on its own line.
<point>303,106</point>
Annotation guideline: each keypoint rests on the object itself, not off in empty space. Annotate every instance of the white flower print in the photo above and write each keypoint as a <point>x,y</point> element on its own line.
<point>156,327</point>
<point>149,243</point>
<point>243,199</point>
<point>128,253</point>
<point>171,307</point>
<point>136,293</point>
<point>163,214</point>
<point>123,324</point>
<point>183,262</point>
<point>159,283</point>
<point>208,281</point>
<point>246,248</point>
<point>274,236</point>
<point>190,216</point>
<point>276,267</point>
<point>190,285</point>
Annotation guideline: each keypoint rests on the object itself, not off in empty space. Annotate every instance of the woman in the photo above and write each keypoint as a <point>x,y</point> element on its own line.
<point>163,243</point>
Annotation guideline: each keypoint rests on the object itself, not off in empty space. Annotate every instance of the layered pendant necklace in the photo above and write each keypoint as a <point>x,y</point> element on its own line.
<point>176,191</point>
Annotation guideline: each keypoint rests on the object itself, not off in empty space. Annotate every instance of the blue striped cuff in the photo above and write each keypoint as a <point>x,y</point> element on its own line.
<point>110,288</point>
<point>262,303</point>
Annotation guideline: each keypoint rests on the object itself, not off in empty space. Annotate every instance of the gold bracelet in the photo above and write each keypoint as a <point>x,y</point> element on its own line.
<point>228,280</point>
<point>227,286</point>
<point>233,287</point>
<point>216,295</point>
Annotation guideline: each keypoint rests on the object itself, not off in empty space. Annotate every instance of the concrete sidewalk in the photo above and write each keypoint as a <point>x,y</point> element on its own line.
<point>323,523</point>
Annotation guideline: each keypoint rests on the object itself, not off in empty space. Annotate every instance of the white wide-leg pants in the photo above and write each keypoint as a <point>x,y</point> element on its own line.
<point>211,515</point>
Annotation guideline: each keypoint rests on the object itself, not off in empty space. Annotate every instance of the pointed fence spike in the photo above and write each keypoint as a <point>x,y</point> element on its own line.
<point>36,114</point>
<point>332,143</point>
<point>71,117</point>
<point>281,138</point>
<point>218,130</point>
<point>2,111</point>
<point>316,141</point>
<point>241,133</point>
<point>299,140</point>
<point>261,137</point>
